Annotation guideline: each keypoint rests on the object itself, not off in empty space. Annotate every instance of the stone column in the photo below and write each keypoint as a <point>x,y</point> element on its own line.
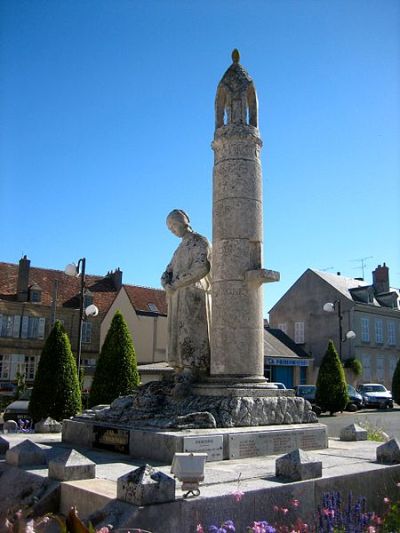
<point>237,332</point>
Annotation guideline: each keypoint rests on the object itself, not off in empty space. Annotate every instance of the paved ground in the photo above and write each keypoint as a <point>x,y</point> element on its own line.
<point>386,419</point>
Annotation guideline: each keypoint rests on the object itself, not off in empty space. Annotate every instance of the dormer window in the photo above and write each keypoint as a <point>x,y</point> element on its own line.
<point>35,293</point>
<point>153,308</point>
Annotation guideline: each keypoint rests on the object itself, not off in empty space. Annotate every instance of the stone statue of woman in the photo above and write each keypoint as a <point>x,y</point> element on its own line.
<point>186,281</point>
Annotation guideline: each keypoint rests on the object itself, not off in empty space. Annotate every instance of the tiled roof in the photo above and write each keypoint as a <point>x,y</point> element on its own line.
<point>142,297</point>
<point>101,287</point>
<point>341,283</point>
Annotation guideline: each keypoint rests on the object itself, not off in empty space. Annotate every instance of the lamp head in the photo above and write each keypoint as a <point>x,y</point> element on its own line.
<point>329,307</point>
<point>91,310</point>
<point>350,335</point>
<point>71,270</point>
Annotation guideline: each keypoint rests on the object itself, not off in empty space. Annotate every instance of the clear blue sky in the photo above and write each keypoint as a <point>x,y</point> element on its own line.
<point>107,115</point>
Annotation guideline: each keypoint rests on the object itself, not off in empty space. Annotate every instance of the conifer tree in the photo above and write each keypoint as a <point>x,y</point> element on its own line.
<point>331,394</point>
<point>56,391</point>
<point>396,383</point>
<point>116,371</point>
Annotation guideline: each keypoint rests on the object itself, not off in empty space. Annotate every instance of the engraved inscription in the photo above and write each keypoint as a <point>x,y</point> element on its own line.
<point>116,440</point>
<point>212,445</point>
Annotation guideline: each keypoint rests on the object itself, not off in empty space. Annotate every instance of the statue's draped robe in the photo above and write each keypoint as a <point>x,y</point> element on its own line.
<point>189,305</point>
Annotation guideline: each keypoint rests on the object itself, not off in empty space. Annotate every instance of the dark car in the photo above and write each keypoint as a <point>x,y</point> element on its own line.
<point>356,400</point>
<point>376,395</point>
<point>308,393</point>
<point>18,409</point>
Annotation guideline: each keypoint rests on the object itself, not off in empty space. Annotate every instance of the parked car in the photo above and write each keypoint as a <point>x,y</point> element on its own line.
<point>278,385</point>
<point>376,395</point>
<point>356,400</point>
<point>308,393</point>
<point>19,408</point>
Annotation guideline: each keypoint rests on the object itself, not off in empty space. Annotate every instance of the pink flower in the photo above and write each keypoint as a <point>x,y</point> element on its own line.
<point>237,495</point>
<point>199,528</point>
<point>295,503</point>
<point>284,510</point>
<point>386,500</point>
<point>371,529</point>
<point>276,508</point>
<point>103,529</point>
<point>397,484</point>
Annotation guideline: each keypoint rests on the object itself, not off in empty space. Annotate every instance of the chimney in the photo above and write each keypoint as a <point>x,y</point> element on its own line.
<point>23,279</point>
<point>380,279</point>
<point>116,277</point>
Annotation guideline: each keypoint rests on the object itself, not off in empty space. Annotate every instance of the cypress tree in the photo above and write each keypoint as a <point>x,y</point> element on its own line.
<point>331,394</point>
<point>116,371</point>
<point>396,383</point>
<point>56,391</point>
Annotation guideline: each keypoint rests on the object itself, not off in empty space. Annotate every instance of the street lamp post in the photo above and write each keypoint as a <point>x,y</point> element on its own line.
<point>331,307</point>
<point>79,270</point>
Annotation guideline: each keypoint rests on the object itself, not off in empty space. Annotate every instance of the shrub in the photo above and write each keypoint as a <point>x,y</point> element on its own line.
<point>354,365</point>
<point>116,371</point>
<point>331,394</point>
<point>56,390</point>
<point>396,383</point>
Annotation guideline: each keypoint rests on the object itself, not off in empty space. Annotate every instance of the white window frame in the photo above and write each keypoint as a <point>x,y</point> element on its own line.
<point>378,331</point>
<point>380,368</point>
<point>366,363</point>
<point>5,366</point>
<point>364,329</point>
<point>87,328</point>
<point>391,331</point>
<point>283,327</point>
<point>299,332</point>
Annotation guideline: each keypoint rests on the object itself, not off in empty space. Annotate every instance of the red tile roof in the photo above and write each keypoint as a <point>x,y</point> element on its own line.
<point>141,297</point>
<point>101,288</point>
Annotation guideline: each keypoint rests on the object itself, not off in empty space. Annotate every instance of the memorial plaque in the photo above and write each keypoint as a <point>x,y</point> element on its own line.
<point>245,445</point>
<point>310,440</point>
<point>283,442</point>
<point>115,440</point>
<point>211,445</point>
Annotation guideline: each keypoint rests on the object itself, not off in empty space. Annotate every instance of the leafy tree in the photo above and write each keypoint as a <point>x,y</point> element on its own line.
<point>56,390</point>
<point>116,370</point>
<point>331,394</point>
<point>396,383</point>
<point>354,365</point>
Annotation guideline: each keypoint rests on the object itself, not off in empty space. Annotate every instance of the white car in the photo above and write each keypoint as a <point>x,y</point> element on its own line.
<point>376,395</point>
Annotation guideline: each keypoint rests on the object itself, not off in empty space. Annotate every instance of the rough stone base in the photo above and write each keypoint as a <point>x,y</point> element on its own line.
<point>155,405</point>
<point>220,444</point>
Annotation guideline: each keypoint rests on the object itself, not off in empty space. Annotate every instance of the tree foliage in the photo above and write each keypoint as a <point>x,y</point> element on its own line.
<point>331,394</point>
<point>116,370</point>
<point>396,383</point>
<point>56,391</point>
<point>354,365</point>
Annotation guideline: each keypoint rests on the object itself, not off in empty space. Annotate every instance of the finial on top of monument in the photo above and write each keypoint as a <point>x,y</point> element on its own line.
<point>236,100</point>
<point>235,55</point>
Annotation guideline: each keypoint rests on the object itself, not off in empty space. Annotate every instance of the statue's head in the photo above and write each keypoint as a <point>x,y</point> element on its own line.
<point>178,222</point>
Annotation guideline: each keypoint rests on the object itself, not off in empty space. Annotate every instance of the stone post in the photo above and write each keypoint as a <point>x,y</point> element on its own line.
<point>237,332</point>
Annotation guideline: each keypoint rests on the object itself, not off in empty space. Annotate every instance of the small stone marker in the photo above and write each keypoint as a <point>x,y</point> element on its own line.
<point>389,452</point>
<point>72,465</point>
<point>298,465</point>
<point>48,425</point>
<point>10,426</point>
<point>353,432</point>
<point>145,485</point>
<point>4,445</point>
<point>26,453</point>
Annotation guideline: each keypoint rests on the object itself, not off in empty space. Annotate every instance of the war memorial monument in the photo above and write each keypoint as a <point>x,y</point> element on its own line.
<point>218,400</point>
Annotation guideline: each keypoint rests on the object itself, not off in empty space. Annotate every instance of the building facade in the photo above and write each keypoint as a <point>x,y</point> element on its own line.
<point>371,311</point>
<point>32,299</point>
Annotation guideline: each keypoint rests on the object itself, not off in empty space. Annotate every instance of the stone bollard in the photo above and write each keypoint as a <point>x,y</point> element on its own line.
<point>145,485</point>
<point>389,452</point>
<point>71,465</point>
<point>353,432</point>
<point>26,453</point>
<point>298,465</point>
<point>10,426</point>
<point>4,445</point>
<point>48,425</point>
